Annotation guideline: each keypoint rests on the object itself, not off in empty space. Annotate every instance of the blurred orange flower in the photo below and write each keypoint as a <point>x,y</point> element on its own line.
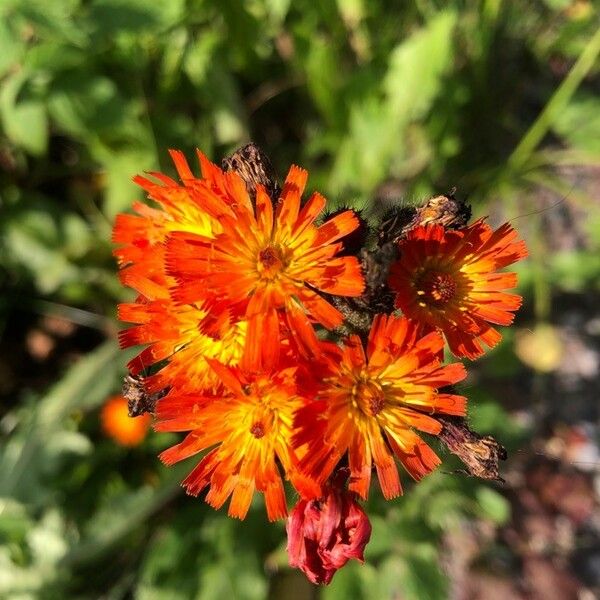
<point>449,280</point>
<point>117,424</point>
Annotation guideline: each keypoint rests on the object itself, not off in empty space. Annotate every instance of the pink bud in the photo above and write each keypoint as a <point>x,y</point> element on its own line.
<point>324,534</point>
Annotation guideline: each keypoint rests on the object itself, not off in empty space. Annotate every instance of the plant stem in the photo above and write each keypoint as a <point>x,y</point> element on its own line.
<point>556,104</point>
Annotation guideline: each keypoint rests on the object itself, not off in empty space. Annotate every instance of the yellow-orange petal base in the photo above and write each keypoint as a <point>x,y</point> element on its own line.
<point>449,280</point>
<point>370,405</point>
<point>247,428</point>
<point>182,335</point>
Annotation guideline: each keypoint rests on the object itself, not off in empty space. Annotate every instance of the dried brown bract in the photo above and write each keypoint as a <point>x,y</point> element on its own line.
<point>254,167</point>
<point>480,454</point>
<point>139,401</point>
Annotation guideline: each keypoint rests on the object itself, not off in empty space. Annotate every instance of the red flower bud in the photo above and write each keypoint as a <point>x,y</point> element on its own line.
<point>324,534</point>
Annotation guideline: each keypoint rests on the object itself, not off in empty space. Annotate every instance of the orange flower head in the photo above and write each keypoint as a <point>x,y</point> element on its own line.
<point>370,404</point>
<point>117,424</point>
<point>269,265</point>
<point>248,427</point>
<point>179,207</point>
<point>184,336</point>
<point>449,280</point>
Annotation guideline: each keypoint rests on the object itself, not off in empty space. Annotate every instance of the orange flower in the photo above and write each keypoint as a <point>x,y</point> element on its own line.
<point>370,405</point>
<point>181,208</point>
<point>269,266</point>
<point>117,424</point>
<point>183,335</point>
<point>448,280</point>
<point>248,426</point>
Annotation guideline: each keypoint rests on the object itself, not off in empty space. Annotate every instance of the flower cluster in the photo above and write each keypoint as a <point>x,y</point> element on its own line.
<point>241,310</point>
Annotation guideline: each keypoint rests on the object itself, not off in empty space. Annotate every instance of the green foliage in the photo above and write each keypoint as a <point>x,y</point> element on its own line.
<point>362,94</point>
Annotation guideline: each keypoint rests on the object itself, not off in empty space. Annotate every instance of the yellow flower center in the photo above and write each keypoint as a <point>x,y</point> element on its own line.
<point>436,288</point>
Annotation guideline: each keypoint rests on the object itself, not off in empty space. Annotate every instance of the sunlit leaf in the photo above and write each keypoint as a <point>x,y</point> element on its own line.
<point>579,124</point>
<point>416,66</point>
<point>493,505</point>
<point>24,119</point>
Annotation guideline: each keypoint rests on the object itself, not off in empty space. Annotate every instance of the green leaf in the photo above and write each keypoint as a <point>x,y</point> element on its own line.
<point>14,520</point>
<point>323,79</point>
<point>492,505</point>
<point>24,120</point>
<point>11,47</point>
<point>579,123</point>
<point>137,16</point>
<point>120,168</point>
<point>559,100</point>
<point>382,538</point>
<point>199,56</point>
<point>379,122</point>
<point>278,9</point>
<point>348,582</point>
<point>416,66</point>
<point>53,56</point>
<point>363,156</point>
<point>558,5</point>
<point>91,105</point>
<point>30,238</point>
<point>421,578</point>
<point>575,271</point>
<point>445,509</point>
<point>228,113</point>
<point>52,20</point>
<point>87,383</point>
<point>77,236</point>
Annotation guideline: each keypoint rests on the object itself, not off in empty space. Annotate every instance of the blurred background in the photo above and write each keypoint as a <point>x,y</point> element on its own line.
<point>383,102</point>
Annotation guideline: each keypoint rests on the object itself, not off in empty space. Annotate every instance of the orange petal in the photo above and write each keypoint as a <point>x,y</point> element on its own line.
<point>181,164</point>
<point>337,227</point>
<point>326,314</point>
<point>198,479</point>
<point>310,211</point>
<point>302,330</point>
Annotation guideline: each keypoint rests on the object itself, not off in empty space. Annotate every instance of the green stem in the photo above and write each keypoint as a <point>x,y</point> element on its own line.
<point>556,104</point>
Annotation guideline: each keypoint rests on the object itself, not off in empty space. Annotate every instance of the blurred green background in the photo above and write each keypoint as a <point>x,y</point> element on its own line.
<point>383,102</point>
